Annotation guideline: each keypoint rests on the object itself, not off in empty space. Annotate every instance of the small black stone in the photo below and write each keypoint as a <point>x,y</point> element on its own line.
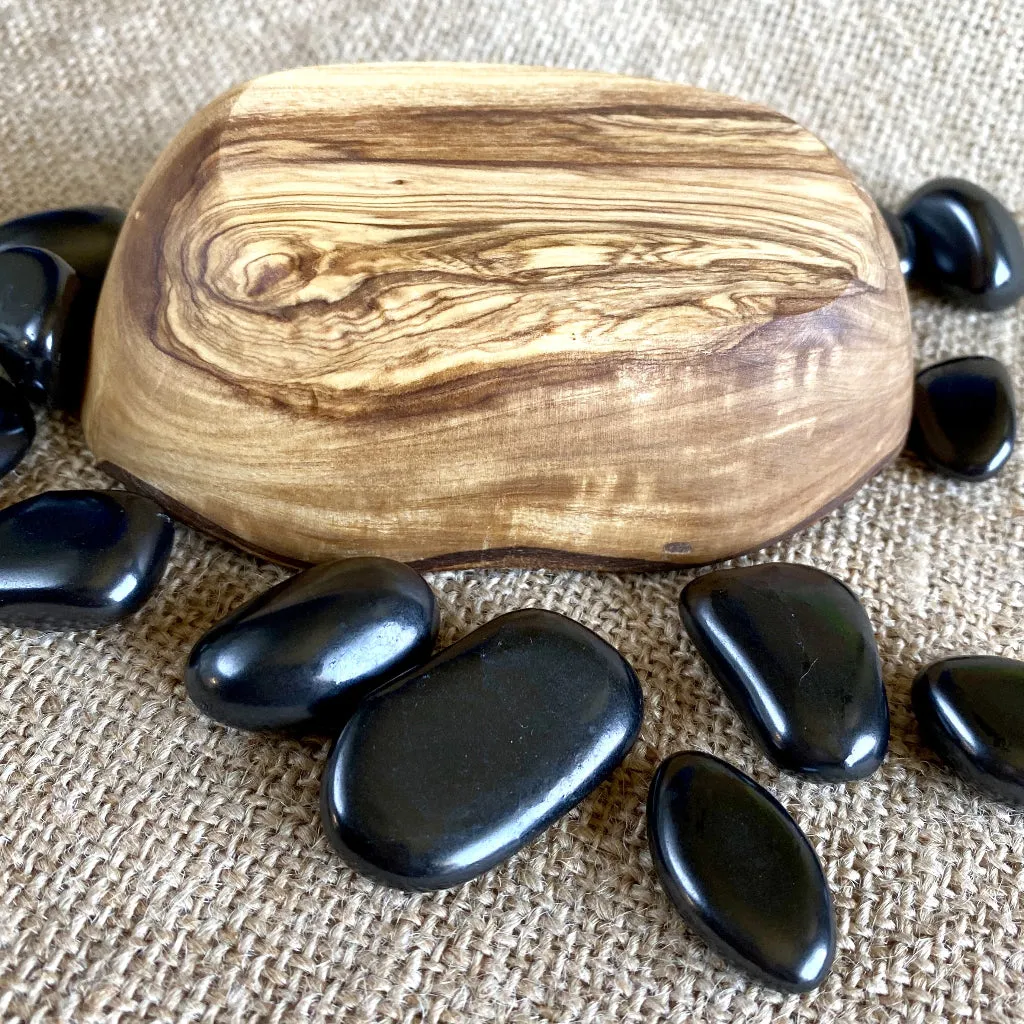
<point>968,246</point>
<point>447,771</point>
<point>740,872</point>
<point>903,240</point>
<point>302,655</point>
<point>80,559</point>
<point>17,427</point>
<point>84,238</point>
<point>971,713</point>
<point>965,419</point>
<point>794,651</point>
<point>44,339</point>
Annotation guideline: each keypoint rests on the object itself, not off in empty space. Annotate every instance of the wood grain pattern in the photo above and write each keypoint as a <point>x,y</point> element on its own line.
<point>462,314</point>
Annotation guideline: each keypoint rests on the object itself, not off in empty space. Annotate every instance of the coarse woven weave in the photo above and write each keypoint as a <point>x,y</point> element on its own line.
<point>157,867</point>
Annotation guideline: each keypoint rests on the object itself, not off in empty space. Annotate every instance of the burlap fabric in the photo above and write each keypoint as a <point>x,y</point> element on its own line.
<point>156,867</point>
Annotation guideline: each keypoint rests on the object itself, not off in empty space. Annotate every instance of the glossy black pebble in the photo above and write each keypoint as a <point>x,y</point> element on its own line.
<point>300,656</point>
<point>971,713</point>
<point>965,419</point>
<point>794,651</point>
<point>17,427</point>
<point>740,872</point>
<point>44,340</point>
<point>446,772</point>
<point>903,240</point>
<point>968,245</point>
<point>80,559</point>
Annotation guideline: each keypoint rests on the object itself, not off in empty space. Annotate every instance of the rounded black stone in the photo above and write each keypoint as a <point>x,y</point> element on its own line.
<point>83,236</point>
<point>968,247</point>
<point>17,427</point>
<point>44,339</point>
<point>740,872</point>
<point>303,654</point>
<point>795,653</point>
<point>971,713</point>
<point>80,559</point>
<point>965,418</point>
<point>442,774</point>
<point>903,240</point>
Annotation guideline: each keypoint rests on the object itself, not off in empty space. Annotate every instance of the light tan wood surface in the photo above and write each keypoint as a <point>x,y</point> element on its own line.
<point>467,314</point>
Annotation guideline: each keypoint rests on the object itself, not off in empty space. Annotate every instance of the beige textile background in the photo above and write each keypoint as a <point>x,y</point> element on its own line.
<point>156,867</point>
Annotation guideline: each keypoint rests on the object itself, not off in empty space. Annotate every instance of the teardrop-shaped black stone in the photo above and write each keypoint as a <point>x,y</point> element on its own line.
<point>968,247</point>
<point>740,872</point>
<point>971,713</point>
<point>80,559</point>
<point>794,651</point>
<point>449,770</point>
<point>903,240</point>
<point>44,339</point>
<point>303,654</point>
<point>965,418</point>
<point>17,427</point>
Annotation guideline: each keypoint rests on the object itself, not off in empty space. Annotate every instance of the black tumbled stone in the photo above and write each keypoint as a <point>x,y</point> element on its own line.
<point>903,240</point>
<point>968,247</point>
<point>17,427</point>
<point>971,713</point>
<point>44,339</point>
<point>965,418</point>
<point>449,770</point>
<point>303,654</point>
<point>80,559</point>
<point>794,651</point>
<point>740,872</point>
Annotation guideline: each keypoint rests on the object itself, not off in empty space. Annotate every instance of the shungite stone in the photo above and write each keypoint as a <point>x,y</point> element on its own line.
<point>740,872</point>
<point>971,713</point>
<point>794,651</point>
<point>84,238</point>
<point>903,240</point>
<point>301,656</point>
<point>80,559</point>
<point>965,418</point>
<point>968,247</point>
<point>44,340</point>
<point>17,427</point>
<point>449,770</point>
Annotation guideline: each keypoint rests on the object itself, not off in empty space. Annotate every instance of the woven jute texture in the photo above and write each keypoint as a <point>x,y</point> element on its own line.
<point>157,867</point>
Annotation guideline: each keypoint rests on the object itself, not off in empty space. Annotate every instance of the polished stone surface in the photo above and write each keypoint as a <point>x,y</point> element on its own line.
<point>43,339</point>
<point>302,655</point>
<point>740,872</point>
<point>80,559</point>
<point>443,774</point>
<point>965,418</point>
<point>17,427</point>
<point>795,652</point>
<point>971,713</point>
<point>902,238</point>
<point>84,238</point>
<point>968,245</point>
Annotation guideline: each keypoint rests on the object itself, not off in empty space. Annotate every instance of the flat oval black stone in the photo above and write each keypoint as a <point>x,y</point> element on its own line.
<point>17,427</point>
<point>968,246</point>
<point>44,341</point>
<point>449,770</point>
<point>903,240</point>
<point>80,559</point>
<point>794,651</point>
<point>740,872</point>
<point>971,713</point>
<point>965,419</point>
<point>302,655</point>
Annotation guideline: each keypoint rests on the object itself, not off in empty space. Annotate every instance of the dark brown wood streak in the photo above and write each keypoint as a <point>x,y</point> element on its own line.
<point>467,315</point>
